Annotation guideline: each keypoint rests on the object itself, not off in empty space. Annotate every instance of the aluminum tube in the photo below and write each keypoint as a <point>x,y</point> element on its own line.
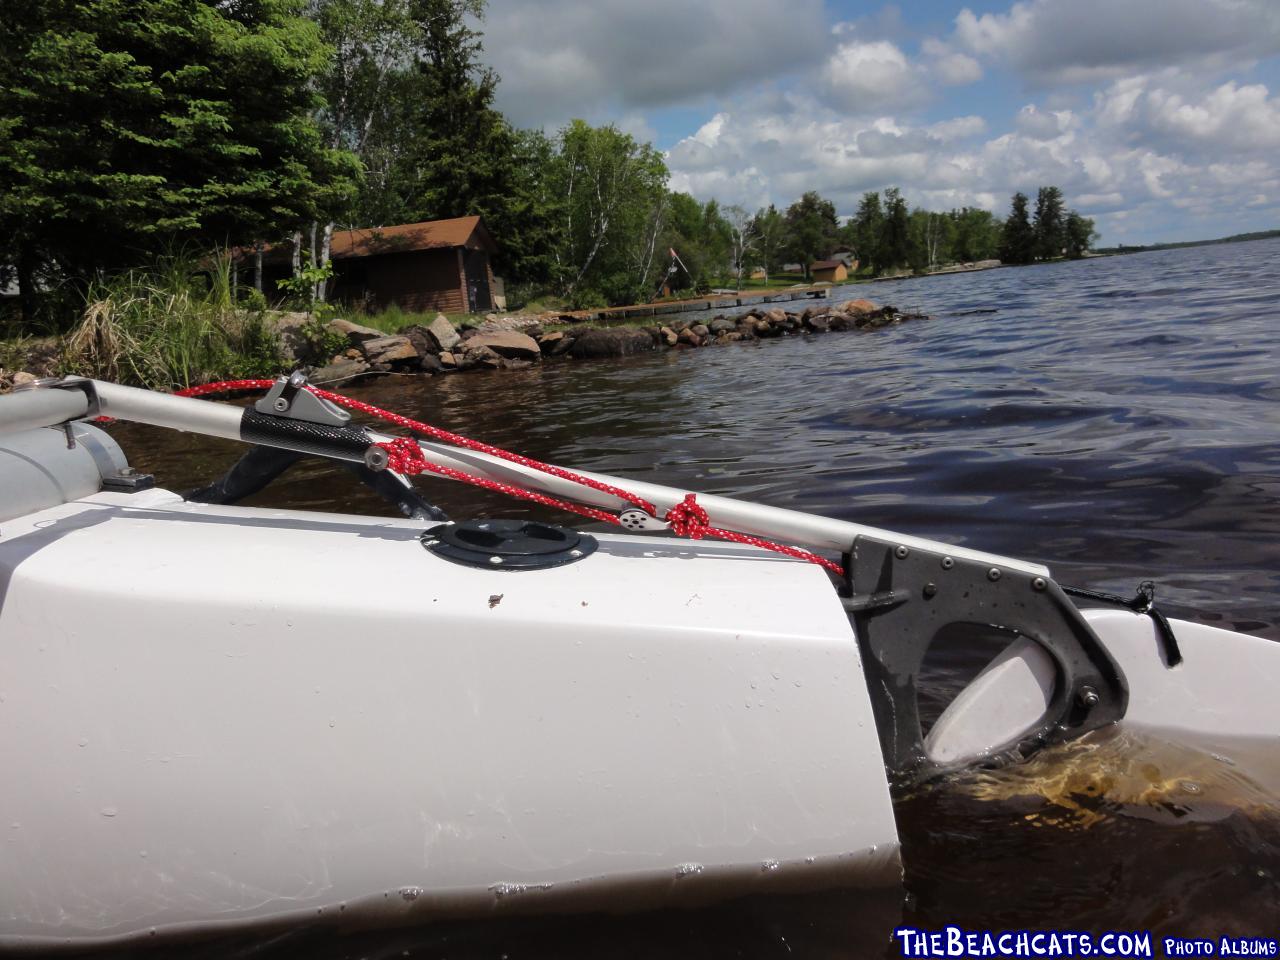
<point>774,523</point>
<point>789,526</point>
<point>207,417</point>
<point>32,409</point>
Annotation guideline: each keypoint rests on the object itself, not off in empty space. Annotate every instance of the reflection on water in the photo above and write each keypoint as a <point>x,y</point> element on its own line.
<point>1167,777</point>
<point>1123,828</point>
<point>1118,419</point>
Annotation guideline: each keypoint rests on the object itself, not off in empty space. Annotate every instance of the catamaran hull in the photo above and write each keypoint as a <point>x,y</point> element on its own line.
<point>218,718</point>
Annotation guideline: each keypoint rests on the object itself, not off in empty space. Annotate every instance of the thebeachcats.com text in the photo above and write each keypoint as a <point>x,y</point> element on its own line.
<point>955,942</point>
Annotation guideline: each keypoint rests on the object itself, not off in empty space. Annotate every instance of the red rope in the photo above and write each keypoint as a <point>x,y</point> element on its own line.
<point>404,456</point>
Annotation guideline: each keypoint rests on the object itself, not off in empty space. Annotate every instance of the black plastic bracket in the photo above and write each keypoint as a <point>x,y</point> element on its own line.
<point>901,597</point>
<point>289,398</point>
<point>508,544</point>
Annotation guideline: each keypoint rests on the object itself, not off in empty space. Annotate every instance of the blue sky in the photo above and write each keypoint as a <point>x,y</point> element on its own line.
<point>1159,118</point>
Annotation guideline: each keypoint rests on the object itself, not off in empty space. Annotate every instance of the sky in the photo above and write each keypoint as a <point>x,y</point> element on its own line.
<point>1158,118</point>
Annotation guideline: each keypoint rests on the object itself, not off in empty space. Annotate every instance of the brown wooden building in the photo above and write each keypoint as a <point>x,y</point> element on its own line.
<point>433,265</point>
<point>828,271</point>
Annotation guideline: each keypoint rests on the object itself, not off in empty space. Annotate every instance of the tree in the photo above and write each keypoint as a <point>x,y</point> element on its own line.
<point>868,224</point>
<point>612,190</point>
<point>975,235</point>
<point>1080,235</point>
<point>930,239</point>
<point>742,236</point>
<point>769,228</point>
<point>127,128</point>
<point>1050,234</point>
<point>1017,241</point>
<point>895,240</point>
<point>702,237</point>
<point>372,41</point>
<point>811,227</point>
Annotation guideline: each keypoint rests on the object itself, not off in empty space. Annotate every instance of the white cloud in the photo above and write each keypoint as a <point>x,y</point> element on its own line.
<point>957,128</point>
<point>1172,123</point>
<point>870,77</point>
<point>1076,41</point>
<point>1241,118</point>
<point>1169,112</point>
<point>951,67</point>
<point>1126,174</point>
<point>1044,124</point>
<point>560,58</point>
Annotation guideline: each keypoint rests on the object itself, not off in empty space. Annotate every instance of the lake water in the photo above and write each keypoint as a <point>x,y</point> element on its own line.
<point>1117,419</point>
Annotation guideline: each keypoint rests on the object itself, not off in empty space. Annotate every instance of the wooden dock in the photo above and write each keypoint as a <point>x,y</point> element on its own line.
<point>666,308</point>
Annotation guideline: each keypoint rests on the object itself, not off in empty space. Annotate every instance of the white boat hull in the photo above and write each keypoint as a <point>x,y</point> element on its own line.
<point>216,717</point>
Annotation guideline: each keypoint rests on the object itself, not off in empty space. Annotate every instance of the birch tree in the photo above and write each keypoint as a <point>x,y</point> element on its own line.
<point>743,235</point>
<point>612,189</point>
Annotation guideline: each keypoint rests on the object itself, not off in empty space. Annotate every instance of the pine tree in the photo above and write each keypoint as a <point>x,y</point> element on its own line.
<point>128,128</point>
<point>895,233</point>
<point>811,229</point>
<point>868,225</point>
<point>1080,235</point>
<point>1017,241</point>
<point>1050,232</point>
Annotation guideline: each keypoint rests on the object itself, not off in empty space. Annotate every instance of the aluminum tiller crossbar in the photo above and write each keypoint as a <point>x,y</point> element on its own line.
<point>215,419</point>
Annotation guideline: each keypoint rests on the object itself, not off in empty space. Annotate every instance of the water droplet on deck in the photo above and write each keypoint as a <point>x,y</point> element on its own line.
<point>142,854</point>
<point>84,741</point>
<point>108,811</point>
<point>688,870</point>
<point>333,723</point>
<point>410,893</point>
<point>768,866</point>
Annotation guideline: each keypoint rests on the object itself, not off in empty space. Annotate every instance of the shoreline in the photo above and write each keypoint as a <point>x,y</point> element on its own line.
<point>518,342</point>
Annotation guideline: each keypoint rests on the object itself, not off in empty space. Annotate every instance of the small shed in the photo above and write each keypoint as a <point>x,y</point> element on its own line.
<point>433,265</point>
<point>828,271</point>
<point>419,267</point>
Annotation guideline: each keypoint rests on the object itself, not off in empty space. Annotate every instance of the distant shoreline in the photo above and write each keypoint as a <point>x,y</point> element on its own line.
<point>1182,244</point>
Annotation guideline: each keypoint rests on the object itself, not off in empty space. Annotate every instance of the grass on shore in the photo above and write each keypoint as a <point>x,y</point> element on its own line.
<point>171,326</point>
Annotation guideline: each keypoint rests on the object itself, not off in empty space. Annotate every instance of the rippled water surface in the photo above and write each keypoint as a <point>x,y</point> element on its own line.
<point>1118,419</point>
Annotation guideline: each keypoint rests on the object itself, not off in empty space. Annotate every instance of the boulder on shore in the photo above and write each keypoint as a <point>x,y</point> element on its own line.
<point>508,344</point>
<point>354,332</point>
<point>392,350</point>
<point>859,306</point>
<point>289,333</point>
<point>478,355</point>
<point>610,342</point>
<point>445,335</point>
<point>339,370</point>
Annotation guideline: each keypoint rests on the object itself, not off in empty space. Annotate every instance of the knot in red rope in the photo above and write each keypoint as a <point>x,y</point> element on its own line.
<point>404,456</point>
<point>687,519</point>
